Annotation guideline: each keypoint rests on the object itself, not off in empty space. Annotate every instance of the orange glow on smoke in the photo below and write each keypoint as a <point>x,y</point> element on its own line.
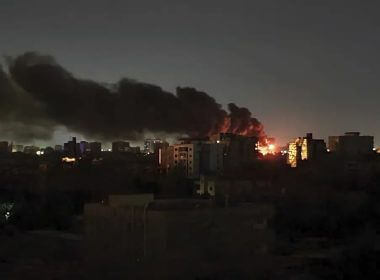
<point>250,129</point>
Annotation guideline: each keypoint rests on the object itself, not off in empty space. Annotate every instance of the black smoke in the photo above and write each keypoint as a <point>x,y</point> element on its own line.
<point>37,95</point>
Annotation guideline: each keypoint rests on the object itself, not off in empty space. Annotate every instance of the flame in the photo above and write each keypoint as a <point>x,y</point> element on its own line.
<point>266,147</point>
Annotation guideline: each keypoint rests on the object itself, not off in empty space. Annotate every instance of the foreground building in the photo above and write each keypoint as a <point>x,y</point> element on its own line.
<point>305,148</point>
<point>136,236</point>
<point>351,144</point>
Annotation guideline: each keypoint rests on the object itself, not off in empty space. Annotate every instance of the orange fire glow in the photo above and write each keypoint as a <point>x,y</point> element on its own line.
<point>266,147</point>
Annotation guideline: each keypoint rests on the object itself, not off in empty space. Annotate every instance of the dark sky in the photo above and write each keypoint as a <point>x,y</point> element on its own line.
<point>299,66</point>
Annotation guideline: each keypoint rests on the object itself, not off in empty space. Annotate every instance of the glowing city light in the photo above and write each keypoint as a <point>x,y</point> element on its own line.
<point>68,159</point>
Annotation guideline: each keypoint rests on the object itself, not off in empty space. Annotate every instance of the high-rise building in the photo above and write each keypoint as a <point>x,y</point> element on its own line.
<point>238,149</point>
<point>305,148</point>
<point>152,145</point>
<point>187,158</point>
<point>351,144</point>
<point>193,156</point>
<point>84,147</point>
<point>72,148</point>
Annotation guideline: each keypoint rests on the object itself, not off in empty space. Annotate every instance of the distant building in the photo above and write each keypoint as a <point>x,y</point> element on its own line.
<point>72,148</point>
<point>305,148</point>
<point>187,157</point>
<point>58,148</point>
<point>166,157</point>
<point>351,144</point>
<point>32,150</point>
<point>84,147</point>
<point>96,148</point>
<point>238,149</point>
<point>120,146</point>
<point>4,147</point>
<point>152,145</point>
<point>135,150</point>
<point>205,156</point>
<point>193,156</point>
<point>17,148</point>
<point>48,150</point>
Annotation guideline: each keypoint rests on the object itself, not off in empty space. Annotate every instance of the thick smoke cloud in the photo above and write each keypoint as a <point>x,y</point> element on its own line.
<point>38,94</point>
<point>22,118</point>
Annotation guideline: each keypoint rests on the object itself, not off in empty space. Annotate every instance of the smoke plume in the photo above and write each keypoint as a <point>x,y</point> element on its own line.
<point>37,95</point>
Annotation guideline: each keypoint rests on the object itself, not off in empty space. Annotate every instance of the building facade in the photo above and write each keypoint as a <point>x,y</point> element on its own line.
<point>305,148</point>
<point>120,146</point>
<point>167,239</point>
<point>351,144</point>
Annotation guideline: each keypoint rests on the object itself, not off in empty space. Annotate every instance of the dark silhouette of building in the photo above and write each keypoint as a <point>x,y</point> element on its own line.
<point>351,144</point>
<point>238,149</point>
<point>152,145</point>
<point>72,148</point>
<point>84,147</point>
<point>120,146</point>
<point>305,148</point>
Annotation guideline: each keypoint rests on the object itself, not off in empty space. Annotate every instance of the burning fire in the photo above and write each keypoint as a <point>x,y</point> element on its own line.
<point>266,147</point>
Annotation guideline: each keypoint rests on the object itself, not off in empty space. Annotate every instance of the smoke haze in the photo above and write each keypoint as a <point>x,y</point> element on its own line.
<point>37,95</point>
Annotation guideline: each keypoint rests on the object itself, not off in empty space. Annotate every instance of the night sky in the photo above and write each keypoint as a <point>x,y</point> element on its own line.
<point>299,66</point>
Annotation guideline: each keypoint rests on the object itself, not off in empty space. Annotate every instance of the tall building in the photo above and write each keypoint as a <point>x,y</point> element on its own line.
<point>193,156</point>
<point>152,145</point>
<point>305,148</point>
<point>4,147</point>
<point>72,148</point>
<point>120,146</point>
<point>238,149</point>
<point>351,144</point>
<point>187,157</point>
<point>84,147</point>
